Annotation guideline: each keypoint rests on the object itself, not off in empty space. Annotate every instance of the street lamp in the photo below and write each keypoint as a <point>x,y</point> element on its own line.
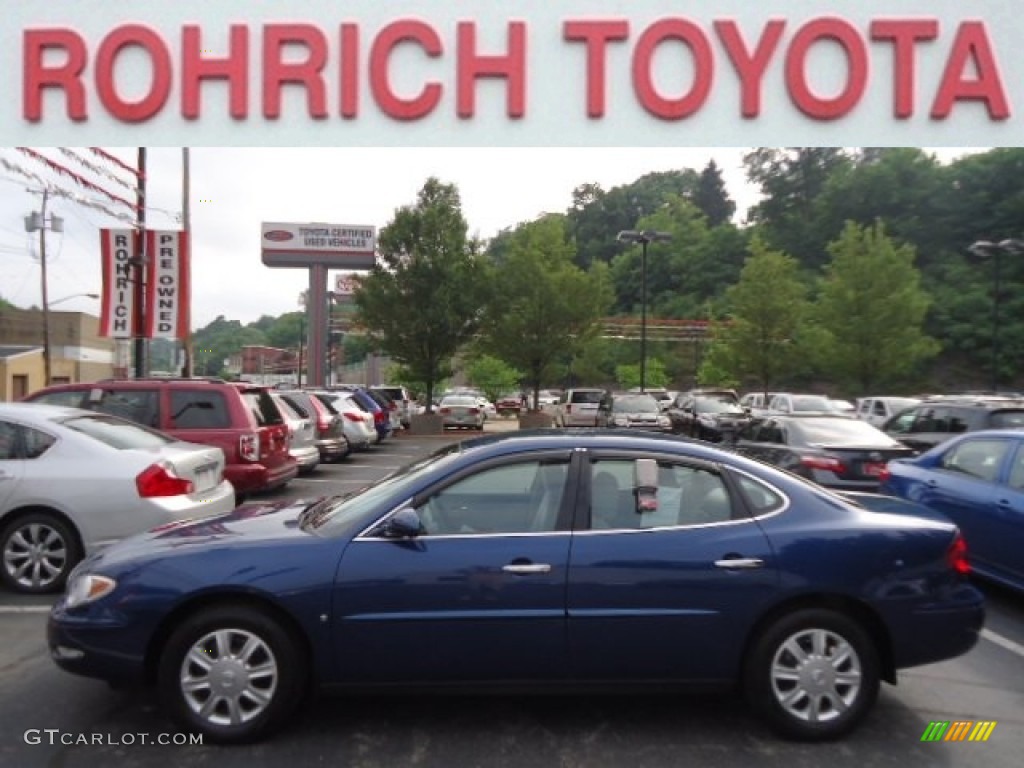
<point>74,296</point>
<point>643,237</point>
<point>39,221</point>
<point>985,249</point>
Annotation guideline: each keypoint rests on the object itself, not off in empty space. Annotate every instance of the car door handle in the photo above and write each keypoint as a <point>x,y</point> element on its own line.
<point>740,563</point>
<point>526,568</point>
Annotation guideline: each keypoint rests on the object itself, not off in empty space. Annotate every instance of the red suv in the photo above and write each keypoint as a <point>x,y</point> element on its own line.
<point>239,418</point>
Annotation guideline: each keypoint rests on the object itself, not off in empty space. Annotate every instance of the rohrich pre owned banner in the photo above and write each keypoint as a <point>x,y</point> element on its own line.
<point>529,73</point>
<point>164,312</point>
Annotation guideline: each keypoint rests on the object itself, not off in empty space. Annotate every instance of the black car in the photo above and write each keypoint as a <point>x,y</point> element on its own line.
<point>833,451</point>
<point>713,415</point>
<point>934,421</point>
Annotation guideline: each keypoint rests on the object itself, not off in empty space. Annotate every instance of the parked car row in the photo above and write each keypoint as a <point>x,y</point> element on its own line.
<point>84,464</point>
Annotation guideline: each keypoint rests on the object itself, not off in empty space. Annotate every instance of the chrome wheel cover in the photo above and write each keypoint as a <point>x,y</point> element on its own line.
<point>35,555</point>
<point>228,677</point>
<point>816,675</point>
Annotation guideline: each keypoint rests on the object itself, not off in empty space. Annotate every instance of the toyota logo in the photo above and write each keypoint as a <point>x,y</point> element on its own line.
<point>278,235</point>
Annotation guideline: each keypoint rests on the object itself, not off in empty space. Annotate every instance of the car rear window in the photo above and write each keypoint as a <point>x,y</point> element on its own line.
<point>70,398</point>
<point>117,433</point>
<point>593,396</point>
<point>841,432</point>
<point>262,407</point>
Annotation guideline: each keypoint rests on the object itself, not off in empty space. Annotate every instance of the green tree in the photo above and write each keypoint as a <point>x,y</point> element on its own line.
<point>711,196</point>
<point>766,337</point>
<point>872,306</point>
<point>547,306</point>
<point>628,375</point>
<point>425,301</point>
<point>493,376</point>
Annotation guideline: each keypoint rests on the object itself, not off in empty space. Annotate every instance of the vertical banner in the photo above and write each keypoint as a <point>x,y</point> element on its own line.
<point>167,290</point>
<point>118,247</point>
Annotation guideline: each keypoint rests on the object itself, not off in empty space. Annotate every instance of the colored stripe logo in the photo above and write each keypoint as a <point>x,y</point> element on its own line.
<point>958,730</point>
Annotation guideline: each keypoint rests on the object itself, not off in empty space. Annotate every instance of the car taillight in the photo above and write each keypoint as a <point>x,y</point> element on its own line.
<point>159,480</point>
<point>249,447</point>
<point>446,410</point>
<point>884,474</point>
<point>379,416</point>
<point>353,417</point>
<point>957,556</point>
<point>474,411</point>
<point>827,463</point>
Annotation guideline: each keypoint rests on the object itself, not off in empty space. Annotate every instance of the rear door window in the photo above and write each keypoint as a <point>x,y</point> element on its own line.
<point>1007,419</point>
<point>262,407</point>
<point>71,399</point>
<point>198,409</point>
<point>139,405</point>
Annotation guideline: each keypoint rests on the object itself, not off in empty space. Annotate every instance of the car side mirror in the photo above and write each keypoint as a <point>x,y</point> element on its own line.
<point>404,524</point>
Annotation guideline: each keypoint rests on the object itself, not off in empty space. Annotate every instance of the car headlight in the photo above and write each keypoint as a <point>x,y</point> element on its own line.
<point>86,588</point>
<point>620,421</point>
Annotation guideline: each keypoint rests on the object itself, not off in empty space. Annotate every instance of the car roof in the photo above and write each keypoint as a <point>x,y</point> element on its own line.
<point>41,410</point>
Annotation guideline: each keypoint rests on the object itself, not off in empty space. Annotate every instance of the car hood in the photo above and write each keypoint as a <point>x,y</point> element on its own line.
<point>248,524</point>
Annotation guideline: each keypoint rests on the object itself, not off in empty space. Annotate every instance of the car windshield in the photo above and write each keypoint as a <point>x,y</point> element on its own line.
<point>1005,419</point>
<point>117,433</point>
<point>335,513</point>
<point>717,404</point>
<point>840,432</point>
<point>634,404</point>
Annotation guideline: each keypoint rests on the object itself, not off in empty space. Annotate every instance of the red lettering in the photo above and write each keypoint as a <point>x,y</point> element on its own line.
<point>750,67</point>
<point>836,31</point>
<point>348,77</point>
<point>596,35</point>
<point>643,82</point>
<point>66,76</point>
<point>308,73</point>
<point>971,44</point>
<point>904,34</point>
<point>160,87</point>
<point>394,34</point>
<point>511,67</point>
<point>234,68</point>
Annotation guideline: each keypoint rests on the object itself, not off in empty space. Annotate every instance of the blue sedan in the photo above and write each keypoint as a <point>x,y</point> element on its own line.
<point>550,559</point>
<point>977,481</point>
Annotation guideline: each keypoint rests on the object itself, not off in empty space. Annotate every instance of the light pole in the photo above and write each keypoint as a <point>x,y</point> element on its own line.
<point>39,221</point>
<point>988,249</point>
<point>643,237</point>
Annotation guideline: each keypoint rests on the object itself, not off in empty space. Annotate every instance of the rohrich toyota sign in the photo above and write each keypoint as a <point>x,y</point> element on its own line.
<point>533,72</point>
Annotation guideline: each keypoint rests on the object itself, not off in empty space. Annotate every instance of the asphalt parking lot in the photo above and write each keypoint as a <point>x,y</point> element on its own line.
<point>51,718</point>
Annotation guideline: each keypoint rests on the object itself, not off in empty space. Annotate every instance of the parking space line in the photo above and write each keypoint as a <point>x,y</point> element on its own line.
<point>24,609</point>
<point>1003,642</point>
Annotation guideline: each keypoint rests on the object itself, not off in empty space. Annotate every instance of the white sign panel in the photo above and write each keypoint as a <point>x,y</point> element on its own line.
<point>334,245</point>
<point>493,73</point>
<point>167,285</point>
<point>117,315</point>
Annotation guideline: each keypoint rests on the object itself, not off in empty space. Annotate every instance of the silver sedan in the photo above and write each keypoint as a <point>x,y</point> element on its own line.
<point>461,411</point>
<point>72,481</point>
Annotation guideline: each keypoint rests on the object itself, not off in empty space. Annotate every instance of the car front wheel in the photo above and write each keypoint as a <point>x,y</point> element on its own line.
<point>233,674</point>
<point>813,675</point>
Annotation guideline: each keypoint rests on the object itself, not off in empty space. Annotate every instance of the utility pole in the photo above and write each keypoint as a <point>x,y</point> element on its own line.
<point>140,270</point>
<point>186,225</point>
<point>33,222</point>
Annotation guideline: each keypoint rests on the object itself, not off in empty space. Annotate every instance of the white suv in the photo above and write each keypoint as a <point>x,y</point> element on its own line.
<point>578,407</point>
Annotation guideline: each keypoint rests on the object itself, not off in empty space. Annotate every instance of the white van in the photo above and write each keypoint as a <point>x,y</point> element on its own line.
<point>878,410</point>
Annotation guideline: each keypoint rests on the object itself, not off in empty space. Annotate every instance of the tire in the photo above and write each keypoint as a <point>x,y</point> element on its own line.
<point>38,552</point>
<point>822,693</point>
<point>225,701</point>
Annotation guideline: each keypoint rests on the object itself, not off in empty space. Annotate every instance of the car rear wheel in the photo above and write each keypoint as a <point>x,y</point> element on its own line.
<point>813,675</point>
<point>233,674</point>
<point>39,551</point>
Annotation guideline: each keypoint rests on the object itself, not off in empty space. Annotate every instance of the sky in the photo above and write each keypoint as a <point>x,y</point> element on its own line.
<point>234,190</point>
